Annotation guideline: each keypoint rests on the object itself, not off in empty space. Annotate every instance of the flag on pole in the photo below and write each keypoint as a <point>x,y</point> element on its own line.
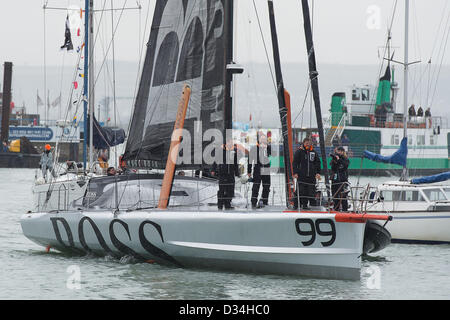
<point>68,37</point>
<point>57,101</point>
<point>39,101</point>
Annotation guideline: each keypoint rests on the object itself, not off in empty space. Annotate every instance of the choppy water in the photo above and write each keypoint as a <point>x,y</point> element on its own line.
<point>28,272</point>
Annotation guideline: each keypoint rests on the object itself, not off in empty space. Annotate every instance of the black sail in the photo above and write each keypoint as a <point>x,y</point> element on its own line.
<point>187,45</point>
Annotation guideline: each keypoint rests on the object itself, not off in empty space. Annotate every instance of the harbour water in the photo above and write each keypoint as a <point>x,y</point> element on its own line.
<point>29,272</point>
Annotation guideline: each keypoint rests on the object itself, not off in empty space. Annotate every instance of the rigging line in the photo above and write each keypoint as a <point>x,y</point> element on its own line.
<point>380,72</point>
<point>440,47</point>
<point>107,74</point>
<point>440,67</point>
<point>304,103</point>
<point>114,72</point>
<point>61,82</point>
<point>265,48</point>
<point>439,27</point>
<point>71,93</point>
<point>109,46</point>
<point>98,24</point>
<point>139,74</point>
<point>311,96</point>
<point>45,66</point>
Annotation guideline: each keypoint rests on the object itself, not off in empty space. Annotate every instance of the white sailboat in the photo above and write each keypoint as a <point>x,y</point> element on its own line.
<point>65,185</point>
<point>174,219</point>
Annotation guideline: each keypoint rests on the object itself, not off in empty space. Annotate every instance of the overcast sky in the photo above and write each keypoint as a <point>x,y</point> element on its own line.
<point>346,31</point>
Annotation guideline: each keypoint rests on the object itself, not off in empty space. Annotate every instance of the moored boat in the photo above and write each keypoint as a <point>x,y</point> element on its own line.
<point>175,219</point>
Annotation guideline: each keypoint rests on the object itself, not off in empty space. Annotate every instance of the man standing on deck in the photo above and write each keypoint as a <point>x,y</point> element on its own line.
<point>259,161</point>
<point>46,162</point>
<point>339,178</point>
<point>226,172</point>
<point>306,167</point>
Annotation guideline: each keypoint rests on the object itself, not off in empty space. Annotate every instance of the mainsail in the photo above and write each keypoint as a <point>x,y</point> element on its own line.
<point>187,46</point>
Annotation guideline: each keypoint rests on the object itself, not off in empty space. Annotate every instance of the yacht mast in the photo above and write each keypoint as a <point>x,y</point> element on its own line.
<point>405,90</point>
<point>281,104</point>
<point>86,77</point>
<point>313,75</point>
<point>91,83</point>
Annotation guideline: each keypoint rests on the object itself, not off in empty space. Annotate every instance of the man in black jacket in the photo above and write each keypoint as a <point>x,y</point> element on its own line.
<point>306,166</point>
<point>339,178</point>
<point>259,161</point>
<point>226,171</point>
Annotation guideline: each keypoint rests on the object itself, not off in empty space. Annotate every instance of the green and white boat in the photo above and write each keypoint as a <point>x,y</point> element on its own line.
<point>367,117</point>
<point>428,137</point>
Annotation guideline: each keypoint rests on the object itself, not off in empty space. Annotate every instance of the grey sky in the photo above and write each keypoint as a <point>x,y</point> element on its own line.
<point>346,31</point>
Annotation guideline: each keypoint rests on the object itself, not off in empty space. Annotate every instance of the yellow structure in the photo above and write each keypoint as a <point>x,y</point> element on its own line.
<point>15,146</point>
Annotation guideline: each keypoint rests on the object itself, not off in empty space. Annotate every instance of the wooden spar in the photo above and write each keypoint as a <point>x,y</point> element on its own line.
<point>287,99</point>
<point>166,187</point>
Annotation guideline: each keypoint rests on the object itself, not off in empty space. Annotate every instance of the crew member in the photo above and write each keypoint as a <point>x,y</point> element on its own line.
<point>5,147</point>
<point>306,166</point>
<point>111,171</point>
<point>226,171</point>
<point>420,112</point>
<point>339,179</point>
<point>46,162</point>
<point>260,162</point>
<point>102,163</point>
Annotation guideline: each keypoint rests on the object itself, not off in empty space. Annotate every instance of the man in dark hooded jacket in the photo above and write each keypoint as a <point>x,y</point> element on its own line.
<point>339,178</point>
<point>306,166</point>
<point>259,165</point>
<point>226,171</point>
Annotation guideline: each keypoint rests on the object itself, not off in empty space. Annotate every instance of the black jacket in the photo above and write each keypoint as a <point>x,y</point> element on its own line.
<point>227,171</point>
<point>339,169</point>
<point>306,164</point>
<point>258,158</point>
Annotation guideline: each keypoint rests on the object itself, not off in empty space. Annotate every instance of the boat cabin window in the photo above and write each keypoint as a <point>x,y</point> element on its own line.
<point>356,94</point>
<point>435,194</point>
<point>402,196</point>
<point>139,192</point>
<point>447,192</point>
<point>433,140</point>
<point>395,140</point>
<point>421,140</point>
<point>365,95</point>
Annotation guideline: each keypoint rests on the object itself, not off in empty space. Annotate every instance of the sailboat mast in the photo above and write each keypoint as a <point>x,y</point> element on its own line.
<point>405,91</point>
<point>91,83</point>
<point>313,75</point>
<point>228,103</point>
<point>86,77</point>
<point>281,102</point>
